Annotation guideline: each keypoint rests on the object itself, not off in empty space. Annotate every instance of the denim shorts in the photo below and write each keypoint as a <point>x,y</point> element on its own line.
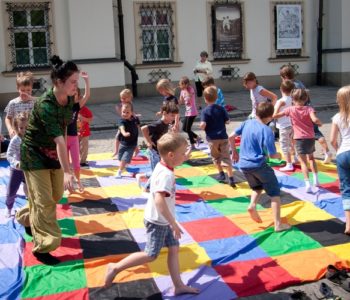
<point>157,237</point>
<point>263,178</point>
<point>343,167</point>
<point>305,146</point>
<point>125,153</point>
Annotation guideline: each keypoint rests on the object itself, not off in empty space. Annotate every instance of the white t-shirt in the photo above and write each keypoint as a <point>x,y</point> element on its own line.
<point>284,122</point>
<point>344,134</point>
<point>206,66</point>
<point>162,180</point>
<point>256,98</point>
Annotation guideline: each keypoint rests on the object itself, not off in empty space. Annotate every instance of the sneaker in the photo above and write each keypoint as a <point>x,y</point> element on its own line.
<point>308,189</point>
<point>231,182</point>
<point>119,174</point>
<point>221,177</point>
<point>46,258</point>
<point>287,168</point>
<point>84,164</point>
<point>327,158</point>
<point>198,141</point>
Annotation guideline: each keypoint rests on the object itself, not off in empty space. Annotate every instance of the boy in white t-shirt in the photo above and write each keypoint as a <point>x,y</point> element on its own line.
<point>161,226</point>
<point>285,125</point>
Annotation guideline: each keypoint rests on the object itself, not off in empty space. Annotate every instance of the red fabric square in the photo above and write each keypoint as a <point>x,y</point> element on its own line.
<point>82,294</point>
<point>212,229</point>
<point>63,211</point>
<point>332,187</point>
<point>70,249</point>
<point>139,160</point>
<point>186,196</point>
<point>253,277</point>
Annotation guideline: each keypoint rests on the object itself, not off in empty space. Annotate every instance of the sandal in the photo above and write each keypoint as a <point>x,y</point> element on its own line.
<point>335,275</point>
<point>326,290</point>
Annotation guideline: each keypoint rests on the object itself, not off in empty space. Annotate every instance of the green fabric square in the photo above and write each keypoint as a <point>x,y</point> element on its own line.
<point>196,181</point>
<point>322,177</point>
<point>273,162</point>
<point>68,227</point>
<point>64,200</point>
<point>232,206</point>
<point>43,280</point>
<point>184,165</point>
<point>279,243</point>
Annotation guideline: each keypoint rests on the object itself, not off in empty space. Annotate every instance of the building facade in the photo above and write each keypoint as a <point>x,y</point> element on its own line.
<point>135,42</point>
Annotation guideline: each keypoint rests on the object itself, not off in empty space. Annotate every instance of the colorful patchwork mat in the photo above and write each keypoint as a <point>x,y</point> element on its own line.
<point>223,252</point>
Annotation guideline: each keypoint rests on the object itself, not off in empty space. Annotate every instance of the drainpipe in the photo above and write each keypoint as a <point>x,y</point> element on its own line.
<point>319,79</point>
<point>131,68</point>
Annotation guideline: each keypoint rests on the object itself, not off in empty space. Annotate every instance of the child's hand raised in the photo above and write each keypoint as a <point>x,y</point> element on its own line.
<point>84,75</point>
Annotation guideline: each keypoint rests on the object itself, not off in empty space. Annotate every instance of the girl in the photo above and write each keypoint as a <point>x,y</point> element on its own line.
<point>258,93</point>
<point>340,126</point>
<point>165,88</point>
<point>187,97</point>
<point>73,148</point>
<point>14,156</point>
<point>303,119</point>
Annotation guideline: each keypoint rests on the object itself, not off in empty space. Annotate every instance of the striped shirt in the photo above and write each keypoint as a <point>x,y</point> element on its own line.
<point>17,105</point>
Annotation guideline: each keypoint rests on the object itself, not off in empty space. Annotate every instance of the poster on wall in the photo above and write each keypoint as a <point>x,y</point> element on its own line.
<point>227,31</point>
<point>289,31</point>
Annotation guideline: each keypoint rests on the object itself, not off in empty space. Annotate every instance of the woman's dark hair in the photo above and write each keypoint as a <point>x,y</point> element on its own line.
<point>62,70</point>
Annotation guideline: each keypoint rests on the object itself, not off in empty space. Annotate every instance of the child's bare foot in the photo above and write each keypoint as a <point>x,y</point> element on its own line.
<point>282,227</point>
<point>254,214</point>
<point>185,289</point>
<point>112,271</point>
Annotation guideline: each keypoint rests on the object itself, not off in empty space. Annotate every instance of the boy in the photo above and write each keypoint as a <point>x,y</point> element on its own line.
<point>285,125</point>
<point>85,117</point>
<point>287,73</point>
<point>23,103</point>
<point>153,132</point>
<point>256,136</point>
<point>129,133</point>
<point>209,81</point>
<point>213,120</point>
<point>162,228</point>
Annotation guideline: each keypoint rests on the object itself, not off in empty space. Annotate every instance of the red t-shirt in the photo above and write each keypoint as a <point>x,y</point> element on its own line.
<point>303,128</point>
<point>84,127</point>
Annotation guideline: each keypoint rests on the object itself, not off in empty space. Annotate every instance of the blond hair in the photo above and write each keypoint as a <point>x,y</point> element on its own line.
<point>170,142</point>
<point>126,93</point>
<point>300,95</point>
<point>24,79</point>
<point>128,106</point>
<point>210,94</point>
<point>343,100</point>
<point>20,117</point>
<point>165,85</point>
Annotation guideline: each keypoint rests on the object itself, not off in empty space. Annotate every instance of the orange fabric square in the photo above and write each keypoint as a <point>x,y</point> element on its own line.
<point>218,191</point>
<point>91,193</point>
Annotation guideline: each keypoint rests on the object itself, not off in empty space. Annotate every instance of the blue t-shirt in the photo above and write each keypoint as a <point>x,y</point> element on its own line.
<point>257,140</point>
<point>215,117</point>
<point>220,100</point>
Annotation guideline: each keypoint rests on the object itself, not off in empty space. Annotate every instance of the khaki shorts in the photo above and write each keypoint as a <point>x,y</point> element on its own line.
<point>220,151</point>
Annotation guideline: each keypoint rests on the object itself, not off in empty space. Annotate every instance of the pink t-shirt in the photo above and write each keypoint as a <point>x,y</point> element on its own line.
<point>303,127</point>
<point>190,102</point>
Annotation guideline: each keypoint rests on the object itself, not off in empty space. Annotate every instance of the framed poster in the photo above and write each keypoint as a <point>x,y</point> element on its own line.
<point>227,30</point>
<point>289,30</point>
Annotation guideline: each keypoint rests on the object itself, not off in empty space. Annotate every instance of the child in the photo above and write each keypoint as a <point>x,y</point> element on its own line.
<point>188,98</point>
<point>125,97</point>
<point>129,132</point>
<point>303,119</point>
<point>153,132</point>
<point>165,88</point>
<point>256,139</point>
<point>23,103</point>
<point>73,149</point>
<point>284,124</point>
<point>84,119</point>
<point>287,73</point>
<point>213,120</point>
<point>340,126</point>
<point>209,81</point>
<point>14,156</point>
<point>162,228</point>
<point>258,93</point>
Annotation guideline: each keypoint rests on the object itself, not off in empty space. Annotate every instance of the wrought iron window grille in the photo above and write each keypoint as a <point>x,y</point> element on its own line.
<point>156,75</point>
<point>229,73</point>
<point>39,87</point>
<point>29,32</point>
<point>157,32</point>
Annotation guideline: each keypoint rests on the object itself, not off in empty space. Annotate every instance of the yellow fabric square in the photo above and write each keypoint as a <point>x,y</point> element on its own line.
<point>188,172</point>
<point>123,191</point>
<point>86,173</point>
<point>302,212</point>
<point>208,170</point>
<point>133,218</point>
<point>343,252</point>
<point>198,155</point>
<point>325,167</point>
<point>100,156</point>
<point>104,172</point>
<point>217,191</point>
<point>91,224</point>
<point>244,189</point>
<point>91,193</point>
<point>95,270</point>
<point>309,265</point>
<point>191,256</point>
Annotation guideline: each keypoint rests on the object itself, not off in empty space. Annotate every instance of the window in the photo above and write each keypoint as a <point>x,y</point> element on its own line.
<point>288,29</point>
<point>29,33</point>
<point>156,32</point>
